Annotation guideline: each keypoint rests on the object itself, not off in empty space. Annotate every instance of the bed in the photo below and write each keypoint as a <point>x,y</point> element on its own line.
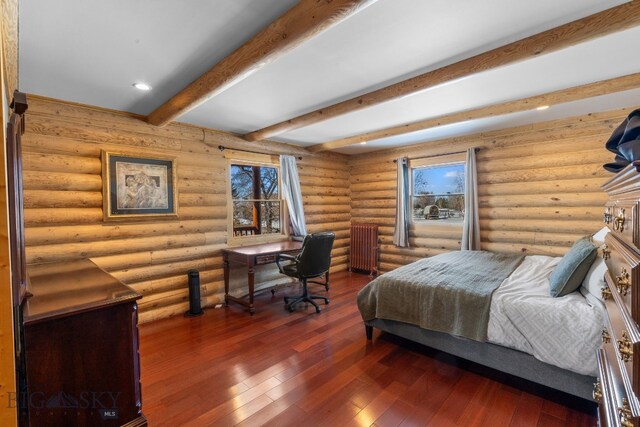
<point>513,326</point>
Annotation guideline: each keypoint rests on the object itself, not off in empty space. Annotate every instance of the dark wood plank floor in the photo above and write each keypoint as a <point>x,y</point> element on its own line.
<point>279,368</point>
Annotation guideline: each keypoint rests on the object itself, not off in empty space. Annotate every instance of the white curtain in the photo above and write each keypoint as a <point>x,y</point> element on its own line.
<point>471,228</point>
<point>401,232</point>
<point>292,194</point>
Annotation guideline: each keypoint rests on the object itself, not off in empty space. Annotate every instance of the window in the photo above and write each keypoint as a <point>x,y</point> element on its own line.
<point>437,191</point>
<point>255,197</point>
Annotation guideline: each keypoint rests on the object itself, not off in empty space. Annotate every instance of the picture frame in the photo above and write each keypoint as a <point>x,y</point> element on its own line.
<point>138,187</point>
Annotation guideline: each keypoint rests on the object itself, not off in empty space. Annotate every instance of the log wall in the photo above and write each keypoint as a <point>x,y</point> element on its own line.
<point>9,16</point>
<point>63,201</point>
<point>8,412</point>
<point>539,188</point>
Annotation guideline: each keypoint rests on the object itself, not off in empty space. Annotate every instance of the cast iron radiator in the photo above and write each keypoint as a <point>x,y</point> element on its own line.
<point>364,248</point>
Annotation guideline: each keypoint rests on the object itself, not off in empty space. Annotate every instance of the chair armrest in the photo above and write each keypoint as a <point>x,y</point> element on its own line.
<point>285,257</point>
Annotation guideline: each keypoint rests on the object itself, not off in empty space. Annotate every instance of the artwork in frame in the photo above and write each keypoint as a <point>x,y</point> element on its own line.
<point>138,188</point>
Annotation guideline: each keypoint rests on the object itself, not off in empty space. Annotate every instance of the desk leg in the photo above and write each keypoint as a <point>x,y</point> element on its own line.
<point>251,277</point>
<point>226,282</point>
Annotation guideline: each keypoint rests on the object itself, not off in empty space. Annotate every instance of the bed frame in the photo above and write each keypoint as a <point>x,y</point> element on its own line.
<point>494,356</point>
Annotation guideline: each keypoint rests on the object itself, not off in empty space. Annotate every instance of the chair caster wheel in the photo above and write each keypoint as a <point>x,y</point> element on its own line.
<point>326,302</point>
<point>317,310</point>
<point>291,310</point>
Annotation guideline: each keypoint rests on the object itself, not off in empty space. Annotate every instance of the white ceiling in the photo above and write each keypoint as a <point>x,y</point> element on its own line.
<point>612,101</point>
<point>91,52</point>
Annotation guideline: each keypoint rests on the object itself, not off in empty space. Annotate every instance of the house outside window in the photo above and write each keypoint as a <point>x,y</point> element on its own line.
<point>437,190</point>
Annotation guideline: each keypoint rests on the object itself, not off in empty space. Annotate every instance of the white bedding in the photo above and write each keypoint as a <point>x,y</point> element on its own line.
<point>563,331</point>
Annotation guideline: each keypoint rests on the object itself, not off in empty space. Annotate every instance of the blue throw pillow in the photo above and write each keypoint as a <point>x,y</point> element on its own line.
<point>572,268</point>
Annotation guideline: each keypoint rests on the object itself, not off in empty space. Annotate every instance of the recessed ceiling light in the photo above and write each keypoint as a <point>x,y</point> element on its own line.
<point>542,107</point>
<point>142,86</point>
<point>363,142</point>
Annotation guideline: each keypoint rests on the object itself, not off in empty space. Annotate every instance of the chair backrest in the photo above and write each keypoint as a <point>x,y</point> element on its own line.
<point>315,258</point>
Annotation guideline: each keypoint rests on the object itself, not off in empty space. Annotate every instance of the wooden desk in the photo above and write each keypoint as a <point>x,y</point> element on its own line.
<point>251,256</point>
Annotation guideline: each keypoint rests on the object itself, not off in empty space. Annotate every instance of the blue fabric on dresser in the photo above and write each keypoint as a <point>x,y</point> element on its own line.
<point>572,268</point>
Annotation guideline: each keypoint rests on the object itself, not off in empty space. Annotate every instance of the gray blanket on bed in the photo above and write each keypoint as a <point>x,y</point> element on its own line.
<point>448,293</point>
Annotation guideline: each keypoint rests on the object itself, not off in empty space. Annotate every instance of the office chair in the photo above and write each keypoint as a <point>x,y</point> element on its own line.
<point>313,261</point>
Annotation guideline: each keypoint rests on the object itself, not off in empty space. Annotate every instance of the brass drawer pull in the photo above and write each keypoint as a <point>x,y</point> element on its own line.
<point>624,412</point>
<point>606,338</point>
<point>618,222</point>
<point>597,390</point>
<point>606,253</point>
<point>605,292</point>
<point>624,347</point>
<point>622,282</point>
<point>607,215</point>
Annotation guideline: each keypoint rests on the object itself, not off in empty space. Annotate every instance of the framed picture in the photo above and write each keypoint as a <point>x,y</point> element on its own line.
<point>138,188</point>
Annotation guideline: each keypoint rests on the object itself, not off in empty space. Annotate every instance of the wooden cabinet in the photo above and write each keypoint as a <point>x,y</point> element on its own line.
<point>81,348</point>
<point>618,385</point>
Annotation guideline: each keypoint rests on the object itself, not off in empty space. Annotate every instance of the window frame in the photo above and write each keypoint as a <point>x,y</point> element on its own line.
<point>432,162</point>
<point>253,159</point>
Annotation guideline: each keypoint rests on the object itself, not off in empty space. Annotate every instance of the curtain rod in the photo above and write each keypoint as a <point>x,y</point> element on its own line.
<point>222,148</point>
<point>439,155</point>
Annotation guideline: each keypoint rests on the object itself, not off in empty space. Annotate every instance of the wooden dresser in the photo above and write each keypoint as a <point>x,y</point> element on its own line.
<point>80,348</point>
<point>618,385</point>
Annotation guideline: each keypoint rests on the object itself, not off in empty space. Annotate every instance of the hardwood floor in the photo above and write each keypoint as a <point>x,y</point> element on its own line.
<point>279,369</point>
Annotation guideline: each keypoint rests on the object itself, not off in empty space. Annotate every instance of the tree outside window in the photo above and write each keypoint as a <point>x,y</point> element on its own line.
<point>256,200</point>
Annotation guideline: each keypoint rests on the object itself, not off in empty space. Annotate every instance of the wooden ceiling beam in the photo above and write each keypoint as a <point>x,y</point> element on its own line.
<point>618,84</point>
<point>606,22</point>
<point>300,23</point>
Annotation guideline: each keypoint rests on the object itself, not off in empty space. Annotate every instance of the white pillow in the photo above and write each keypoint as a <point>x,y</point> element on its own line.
<point>598,237</point>
<point>594,280</point>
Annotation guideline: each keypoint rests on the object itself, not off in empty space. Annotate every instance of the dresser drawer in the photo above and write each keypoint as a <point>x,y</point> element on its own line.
<point>614,406</point>
<point>623,265</point>
<point>604,392</point>
<point>622,333</point>
<point>622,218</point>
